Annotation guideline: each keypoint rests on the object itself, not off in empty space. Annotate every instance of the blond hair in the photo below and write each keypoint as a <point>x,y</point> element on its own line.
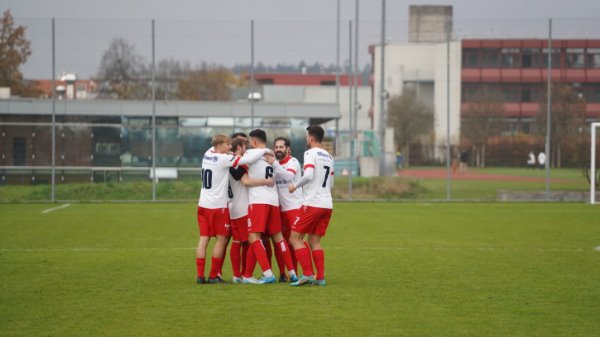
<point>220,139</point>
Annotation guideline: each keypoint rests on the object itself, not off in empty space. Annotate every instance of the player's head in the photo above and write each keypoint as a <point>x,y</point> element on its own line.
<point>314,135</point>
<point>238,145</point>
<point>281,146</point>
<point>221,143</point>
<point>239,134</point>
<point>258,138</point>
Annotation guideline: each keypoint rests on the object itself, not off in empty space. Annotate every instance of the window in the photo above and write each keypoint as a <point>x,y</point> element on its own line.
<point>490,58</point>
<point>511,58</point>
<point>555,57</point>
<point>593,55</point>
<point>575,58</point>
<point>19,150</point>
<point>533,58</point>
<point>470,58</point>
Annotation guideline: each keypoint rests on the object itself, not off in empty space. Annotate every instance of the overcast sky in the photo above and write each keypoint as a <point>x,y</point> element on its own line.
<point>286,31</point>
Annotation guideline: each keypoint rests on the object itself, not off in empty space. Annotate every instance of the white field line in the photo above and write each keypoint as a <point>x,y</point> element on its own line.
<point>90,249</point>
<point>55,208</point>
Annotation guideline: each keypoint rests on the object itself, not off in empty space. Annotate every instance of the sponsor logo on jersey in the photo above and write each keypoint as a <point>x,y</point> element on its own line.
<point>209,158</point>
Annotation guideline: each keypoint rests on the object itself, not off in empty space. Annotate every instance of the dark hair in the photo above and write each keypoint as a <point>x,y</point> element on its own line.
<point>239,134</point>
<point>237,142</point>
<point>259,134</point>
<point>286,141</point>
<point>316,132</point>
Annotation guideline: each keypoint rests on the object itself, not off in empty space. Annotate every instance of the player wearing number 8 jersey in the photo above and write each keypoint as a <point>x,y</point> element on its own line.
<point>317,207</point>
<point>263,216</point>
<point>213,214</point>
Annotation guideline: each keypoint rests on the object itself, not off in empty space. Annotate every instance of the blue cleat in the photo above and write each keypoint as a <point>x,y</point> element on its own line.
<point>294,278</point>
<point>268,280</point>
<point>321,283</point>
<point>303,280</point>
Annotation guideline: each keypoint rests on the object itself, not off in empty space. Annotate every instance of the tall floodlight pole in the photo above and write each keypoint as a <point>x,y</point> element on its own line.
<point>350,109</point>
<point>337,77</point>
<point>381,124</point>
<point>53,194</point>
<point>548,110</point>
<point>251,74</point>
<point>356,83</point>
<point>448,146</point>
<point>154,178</point>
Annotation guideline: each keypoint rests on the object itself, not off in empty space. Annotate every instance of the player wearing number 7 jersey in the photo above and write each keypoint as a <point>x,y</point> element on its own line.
<point>213,214</point>
<point>317,207</point>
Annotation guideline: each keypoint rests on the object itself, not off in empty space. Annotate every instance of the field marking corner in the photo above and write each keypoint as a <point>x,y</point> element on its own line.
<point>55,208</point>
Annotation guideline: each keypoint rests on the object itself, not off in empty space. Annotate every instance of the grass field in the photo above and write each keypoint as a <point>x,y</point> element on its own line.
<point>393,269</point>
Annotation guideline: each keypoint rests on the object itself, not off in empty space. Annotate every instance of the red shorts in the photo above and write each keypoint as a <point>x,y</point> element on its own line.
<point>263,218</point>
<point>287,219</point>
<point>213,221</point>
<point>239,229</point>
<point>312,220</point>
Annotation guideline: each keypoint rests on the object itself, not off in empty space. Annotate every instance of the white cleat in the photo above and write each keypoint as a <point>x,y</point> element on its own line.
<point>236,280</point>
<point>251,280</point>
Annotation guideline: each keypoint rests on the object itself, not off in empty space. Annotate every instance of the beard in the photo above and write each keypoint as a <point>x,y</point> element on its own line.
<point>279,155</point>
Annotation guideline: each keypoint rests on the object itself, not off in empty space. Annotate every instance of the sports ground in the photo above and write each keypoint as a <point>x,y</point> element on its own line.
<point>393,269</point>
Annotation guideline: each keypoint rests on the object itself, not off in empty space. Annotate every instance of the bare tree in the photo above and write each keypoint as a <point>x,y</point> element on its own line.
<point>567,120</point>
<point>481,120</point>
<point>410,119</point>
<point>122,73</point>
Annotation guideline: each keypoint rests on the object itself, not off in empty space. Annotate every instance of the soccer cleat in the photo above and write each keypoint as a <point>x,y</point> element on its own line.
<point>293,278</point>
<point>282,278</point>
<point>200,280</point>
<point>321,283</point>
<point>268,279</point>
<point>303,280</point>
<point>251,280</point>
<point>216,280</point>
<point>236,280</point>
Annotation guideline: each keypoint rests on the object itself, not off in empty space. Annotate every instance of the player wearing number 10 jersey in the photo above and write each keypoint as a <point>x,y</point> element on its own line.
<point>317,208</point>
<point>213,214</point>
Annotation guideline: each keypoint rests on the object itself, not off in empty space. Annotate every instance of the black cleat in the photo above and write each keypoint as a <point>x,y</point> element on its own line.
<point>200,280</point>
<point>215,280</point>
<point>283,278</point>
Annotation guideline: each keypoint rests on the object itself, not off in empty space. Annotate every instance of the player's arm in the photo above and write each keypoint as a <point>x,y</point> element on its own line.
<point>252,182</point>
<point>237,172</point>
<point>287,174</point>
<point>250,157</point>
<point>309,173</point>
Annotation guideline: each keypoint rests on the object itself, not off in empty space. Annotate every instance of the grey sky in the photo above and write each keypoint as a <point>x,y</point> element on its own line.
<point>286,31</point>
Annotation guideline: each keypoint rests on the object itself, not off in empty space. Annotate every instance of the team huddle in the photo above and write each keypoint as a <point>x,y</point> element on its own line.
<point>255,196</point>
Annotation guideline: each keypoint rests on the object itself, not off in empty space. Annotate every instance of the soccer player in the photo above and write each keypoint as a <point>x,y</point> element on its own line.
<point>263,216</point>
<point>287,170</point>
<point>238,207</point>
<point>213,214</point>
<point>317,208</point>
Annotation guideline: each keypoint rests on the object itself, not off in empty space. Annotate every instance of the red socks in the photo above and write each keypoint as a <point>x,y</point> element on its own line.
<point>236,258</point>
<point>281,264</point>
<point>261,255</point>
<point>200,264</point>
<point>319,258</point>
<point>215,267</point>
<point>286,256</point>
<point>250,263</point>
<point>303,256</point>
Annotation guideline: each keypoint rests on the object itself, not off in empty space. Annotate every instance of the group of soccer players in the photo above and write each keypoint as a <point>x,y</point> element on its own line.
<point>255,196</point>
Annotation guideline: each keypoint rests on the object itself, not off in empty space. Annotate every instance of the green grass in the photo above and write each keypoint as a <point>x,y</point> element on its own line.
<point>393,269</point>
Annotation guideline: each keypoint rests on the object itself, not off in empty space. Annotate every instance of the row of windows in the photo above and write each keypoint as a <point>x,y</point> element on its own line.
<point>530,58</point>
<point>526,93</point>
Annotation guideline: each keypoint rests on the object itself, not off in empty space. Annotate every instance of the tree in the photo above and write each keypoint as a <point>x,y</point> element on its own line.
<point>122,73</point>
<point>481,120</point>
<point>566,123</point>
<point>410,119</point>
<point>208,83</point>
<point>14,51</point>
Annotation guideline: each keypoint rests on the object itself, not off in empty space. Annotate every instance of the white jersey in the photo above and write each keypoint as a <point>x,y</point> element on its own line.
<point>288,171</point>
<point>317,191</point>
<point>238,206</point>
<point>215,179</point>
<point>261,169</point>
